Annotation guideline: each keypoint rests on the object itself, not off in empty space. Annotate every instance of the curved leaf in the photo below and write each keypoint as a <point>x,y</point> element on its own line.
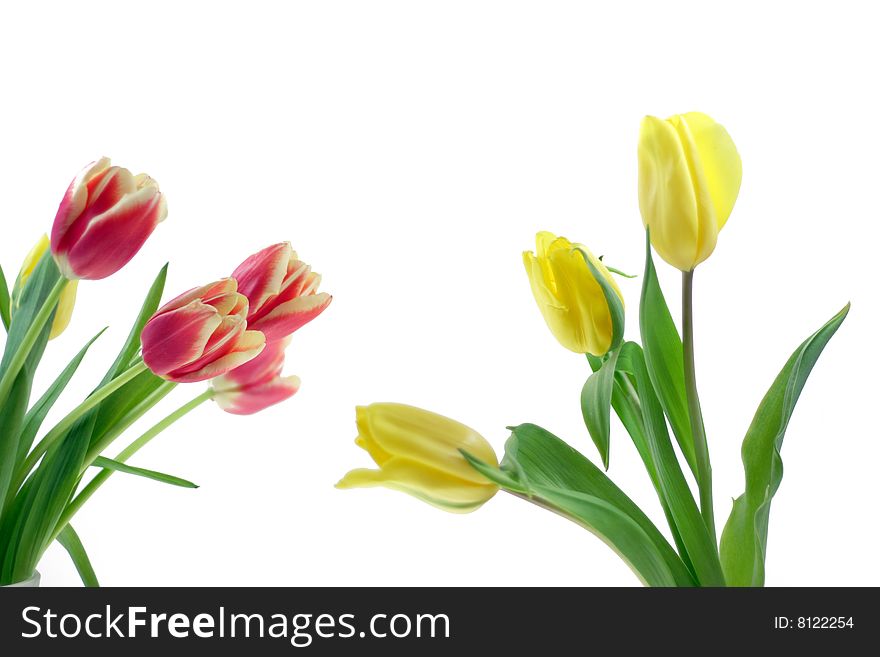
<point>744,540</point>
<point>70,541</point>
<point>664,357</point>
<point>596,404</point>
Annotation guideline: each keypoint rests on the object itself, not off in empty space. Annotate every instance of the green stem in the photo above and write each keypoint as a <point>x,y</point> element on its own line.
<point>30,338</point>
<point>96,482</point>
<point>61,428</point>
<point>701,447</point>
<point>127,420</point>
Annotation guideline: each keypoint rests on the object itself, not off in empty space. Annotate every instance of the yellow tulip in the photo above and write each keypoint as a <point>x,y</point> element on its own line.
<point>569,296</point>
<point>68,296</point>
<point>418,453</point>
<point>689,178</point>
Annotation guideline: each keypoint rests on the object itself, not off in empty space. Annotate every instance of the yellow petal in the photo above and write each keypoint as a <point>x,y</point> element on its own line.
<point>667,198</point>
<point>421,436</point>
<point>64,310</point>
<point>31,260</point>
<point>432,486</point>
<point>720,161</point>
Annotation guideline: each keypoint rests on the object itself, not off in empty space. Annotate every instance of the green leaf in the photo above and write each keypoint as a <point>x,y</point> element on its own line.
<point>744,540</point>
<point>596,405</point>
<point>615,528</point>
<point>133,342</point>
<point>664,357</point>
<point>540,461</point>
<point>4,300</point>
<point>110,464</point>
<point>35,416</point>
<point>14,401</point>
<point>70,541</point>
<point>625,402</point>
<point>615,305</point>
<point>675,493</point>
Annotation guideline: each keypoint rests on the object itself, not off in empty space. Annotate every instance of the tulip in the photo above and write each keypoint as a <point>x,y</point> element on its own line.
<point>419,452</point>
<point>66,302</point>
<point>569,296</point>
<point>257,384</point>
<point>282,291</point>
<point>689,178</point>
<point>104,219</point>
<point>201,334</point>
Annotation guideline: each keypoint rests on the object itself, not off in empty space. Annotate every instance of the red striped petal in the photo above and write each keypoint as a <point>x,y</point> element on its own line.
<point>261,275</point>
<point>291,315</point>
<point>174,339</point>
<point>257,398</point>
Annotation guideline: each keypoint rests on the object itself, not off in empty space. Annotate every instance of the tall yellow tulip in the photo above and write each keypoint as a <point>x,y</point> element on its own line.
<point>689,178</point>
<point>418,453</point>
<point>68,296</point>
<point>569,296</point>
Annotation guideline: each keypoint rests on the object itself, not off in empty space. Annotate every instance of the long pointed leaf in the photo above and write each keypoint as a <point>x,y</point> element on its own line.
<point>744,540</point>
<point>4,300</point>
<point>35,416</point>
<point>70,541</point>
<point>596,405</point>
<point>664,357</point>
<point>110,464</point>
<point>701,550</point>
<point>539,461</point>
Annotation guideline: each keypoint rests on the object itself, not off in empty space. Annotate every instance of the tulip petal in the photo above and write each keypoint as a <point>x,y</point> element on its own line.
<point>173,339</point>
<point>256,398</point>
<point>211,290</point>
<point>667,198</point>
<point>720,161</point>
<point>291,315</point>
<point>425,437</point>
<point>432,486</point>
<point>261,275</point>
<point>261,369</point>
<point>73,203</point>
<point>64,311</point>
<point>249,345</point>
<point>113,238</point>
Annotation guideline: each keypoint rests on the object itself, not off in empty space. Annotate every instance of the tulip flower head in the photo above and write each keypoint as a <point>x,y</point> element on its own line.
<point>419,453</point>
<point>66,302</point>
<point>257,384</point>
<point>104,219</point>
<point>201,334</point>
<point>569,296</point>
<point>282,291</point>
<point>689,178</point>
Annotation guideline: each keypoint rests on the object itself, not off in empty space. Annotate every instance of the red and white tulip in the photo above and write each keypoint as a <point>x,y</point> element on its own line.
<point>201,334</point>
<point>257,384</point>
<point>104,219</point>
<point>282,291</point>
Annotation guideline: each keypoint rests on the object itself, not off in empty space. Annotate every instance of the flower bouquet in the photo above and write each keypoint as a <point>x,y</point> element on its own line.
<point>689,179</point>
<point>232,333</point>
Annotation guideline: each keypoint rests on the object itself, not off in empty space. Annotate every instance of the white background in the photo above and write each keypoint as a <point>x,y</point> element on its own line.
<point>409,151</point>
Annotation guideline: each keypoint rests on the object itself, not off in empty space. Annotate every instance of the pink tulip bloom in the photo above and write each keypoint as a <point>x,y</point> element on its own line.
<point>201,334</point>
<point>257,384</point>
<point>104,219</point>
<point>282,291</point>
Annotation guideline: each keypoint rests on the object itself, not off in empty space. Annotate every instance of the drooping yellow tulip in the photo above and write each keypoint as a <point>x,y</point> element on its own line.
<point>68,297</point>
<point>689,178</point>
<point>418,453</point>
<point>569,296</point>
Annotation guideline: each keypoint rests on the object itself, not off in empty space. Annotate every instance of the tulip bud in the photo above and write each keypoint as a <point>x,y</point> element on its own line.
<point>418,452</point>
<point>200,335</point>
<point>257,384</point>
<point>282,291</point>
<point>66,302</point>
<point>689,178</point>
<point>104,219</point>
<point>569,296</point>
